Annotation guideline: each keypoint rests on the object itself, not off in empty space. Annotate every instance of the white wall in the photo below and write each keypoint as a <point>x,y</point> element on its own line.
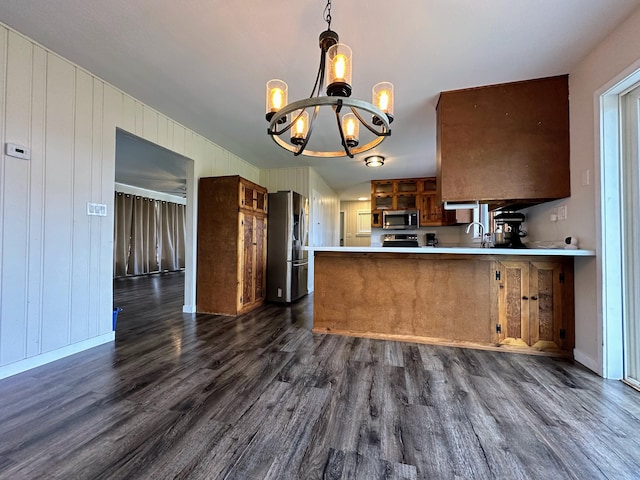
<point>56,295</point>
<point>324,226</point>
<point>601,69</point>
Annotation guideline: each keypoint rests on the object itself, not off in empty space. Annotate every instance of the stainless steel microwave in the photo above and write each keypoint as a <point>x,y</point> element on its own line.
<point>400,219</point>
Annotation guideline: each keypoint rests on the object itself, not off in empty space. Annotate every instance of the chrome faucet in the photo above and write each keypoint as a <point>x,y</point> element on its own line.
<point>481,231</point>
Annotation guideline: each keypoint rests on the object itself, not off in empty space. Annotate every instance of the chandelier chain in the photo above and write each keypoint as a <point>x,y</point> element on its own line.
<point>327,14</point>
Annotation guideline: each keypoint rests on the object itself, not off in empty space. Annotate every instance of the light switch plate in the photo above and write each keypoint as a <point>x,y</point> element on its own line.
<point>97,209</point>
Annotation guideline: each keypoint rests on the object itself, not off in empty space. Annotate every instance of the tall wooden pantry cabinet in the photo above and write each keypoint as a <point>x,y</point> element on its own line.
<point>232,245</point>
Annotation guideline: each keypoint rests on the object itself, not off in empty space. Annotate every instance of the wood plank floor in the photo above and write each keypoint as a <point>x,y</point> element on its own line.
<point>261,397</point>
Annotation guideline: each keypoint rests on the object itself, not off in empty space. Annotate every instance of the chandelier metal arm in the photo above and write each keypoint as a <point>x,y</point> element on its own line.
<point>309,132</point>
<point>366,124</point>
<point>330,101</point>
<point>337,109</point>
<point>318,102</point>
<point>319,84</point>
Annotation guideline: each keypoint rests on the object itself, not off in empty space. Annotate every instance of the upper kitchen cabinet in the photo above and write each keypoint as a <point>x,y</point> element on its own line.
<point>412,194</point>
<point>506,145</point>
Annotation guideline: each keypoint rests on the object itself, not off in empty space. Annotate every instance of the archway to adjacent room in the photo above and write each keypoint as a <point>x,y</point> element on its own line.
<point>152,228</point>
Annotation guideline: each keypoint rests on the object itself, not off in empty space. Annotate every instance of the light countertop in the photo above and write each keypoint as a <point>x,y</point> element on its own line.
<point>549,252</point>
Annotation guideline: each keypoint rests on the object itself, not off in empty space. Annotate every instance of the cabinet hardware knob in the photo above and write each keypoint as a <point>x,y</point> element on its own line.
<point>534,298</point>
<point>501,286</point>
<point>524,297</point>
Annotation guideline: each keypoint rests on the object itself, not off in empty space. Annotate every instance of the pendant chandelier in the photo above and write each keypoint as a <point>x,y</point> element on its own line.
<point>298,118</point>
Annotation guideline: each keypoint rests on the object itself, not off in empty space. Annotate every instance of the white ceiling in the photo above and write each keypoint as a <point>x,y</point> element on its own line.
<point>204,63</point>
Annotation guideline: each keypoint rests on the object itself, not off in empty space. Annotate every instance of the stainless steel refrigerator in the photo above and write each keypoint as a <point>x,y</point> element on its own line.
<point>287,233</point>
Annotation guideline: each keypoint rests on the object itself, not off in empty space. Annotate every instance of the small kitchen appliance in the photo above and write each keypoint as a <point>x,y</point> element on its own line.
<point>430,239</point>
<point>400,240</point>
<point>400,219</point>
<point>511,222</point>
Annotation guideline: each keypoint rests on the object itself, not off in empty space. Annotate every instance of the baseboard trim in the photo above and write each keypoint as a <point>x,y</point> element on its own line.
<point>188,309</point>
<point>44,358</point>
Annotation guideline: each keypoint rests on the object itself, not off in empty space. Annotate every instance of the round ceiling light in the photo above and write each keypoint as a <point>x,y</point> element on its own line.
<point>374,161</point>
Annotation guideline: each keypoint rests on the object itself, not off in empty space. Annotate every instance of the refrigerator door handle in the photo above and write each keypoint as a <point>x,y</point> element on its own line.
<point>300,264</point>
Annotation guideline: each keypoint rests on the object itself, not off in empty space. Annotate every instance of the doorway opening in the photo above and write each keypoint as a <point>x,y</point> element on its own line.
<point>156,238</point>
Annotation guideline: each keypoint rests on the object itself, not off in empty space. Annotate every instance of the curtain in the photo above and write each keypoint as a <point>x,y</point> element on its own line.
<point>122,233</point>
<point>173,232</point>
<point>149,235</point>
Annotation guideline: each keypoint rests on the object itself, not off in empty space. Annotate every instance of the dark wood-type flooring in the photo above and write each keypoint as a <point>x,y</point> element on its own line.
<point>260,396</point>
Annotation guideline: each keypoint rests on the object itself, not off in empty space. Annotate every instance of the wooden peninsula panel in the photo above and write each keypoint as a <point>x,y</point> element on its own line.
<point>444,298</point>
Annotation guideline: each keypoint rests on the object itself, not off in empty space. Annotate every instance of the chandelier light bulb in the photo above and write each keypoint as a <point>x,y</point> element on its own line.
<point>340,67</point>
<point>384,101</point>
<point>300,128</point>
<point>277,99</point>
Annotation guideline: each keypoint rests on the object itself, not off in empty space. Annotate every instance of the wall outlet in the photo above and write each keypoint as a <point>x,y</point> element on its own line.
<point>562,212</point>
<point>553,217</point>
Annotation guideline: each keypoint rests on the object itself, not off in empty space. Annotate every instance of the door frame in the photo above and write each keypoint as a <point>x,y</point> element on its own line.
<point>609,221</point>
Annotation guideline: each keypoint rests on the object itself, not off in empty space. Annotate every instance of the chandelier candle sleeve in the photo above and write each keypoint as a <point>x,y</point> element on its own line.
<point>382,98</point>
<point>277,92</point>
<point>300,127</point>
<point>351,129</point>
<point>339,70</point>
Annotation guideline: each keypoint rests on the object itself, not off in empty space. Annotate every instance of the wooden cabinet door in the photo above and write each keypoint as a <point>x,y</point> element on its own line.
<point>262,201</point>
<point>383,202</point>
<point>430,210</point>
<point>376,218</point>
<point>545,306</point>
<point>405,201</point>
<point>382,187</point>
<point>261,258</point>
<point>246,265</point>
<point>535,304</point>
<point>252,197</point>
<point>504,142</point>
<point>513,303</point>
<point>245,195</point>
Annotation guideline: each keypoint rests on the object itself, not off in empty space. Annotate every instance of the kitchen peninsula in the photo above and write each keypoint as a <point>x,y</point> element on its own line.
<point>498,298</point>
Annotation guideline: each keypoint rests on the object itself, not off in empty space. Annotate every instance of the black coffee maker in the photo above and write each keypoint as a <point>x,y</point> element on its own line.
<point>511,223</point>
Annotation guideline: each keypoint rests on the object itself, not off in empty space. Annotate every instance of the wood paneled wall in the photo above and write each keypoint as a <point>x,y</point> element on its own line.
<point>56,262</point>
